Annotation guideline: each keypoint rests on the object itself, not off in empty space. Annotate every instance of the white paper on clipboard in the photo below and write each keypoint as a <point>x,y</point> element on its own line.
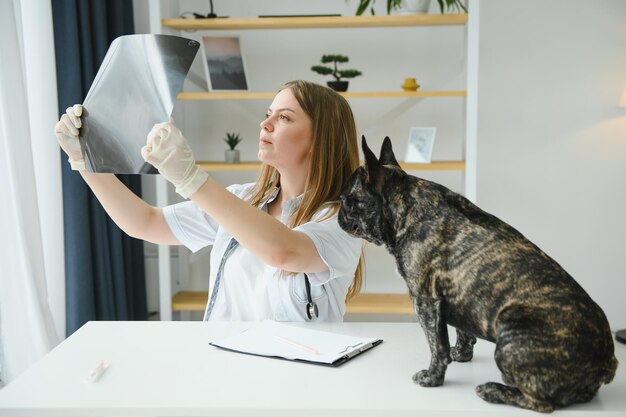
<point>285,341</point>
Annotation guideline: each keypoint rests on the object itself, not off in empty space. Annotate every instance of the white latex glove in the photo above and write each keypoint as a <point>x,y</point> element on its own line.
<point>168,150</point>
<point>66,131</point>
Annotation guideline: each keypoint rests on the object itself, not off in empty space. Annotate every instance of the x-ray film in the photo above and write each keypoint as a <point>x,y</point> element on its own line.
<point>135,87</point>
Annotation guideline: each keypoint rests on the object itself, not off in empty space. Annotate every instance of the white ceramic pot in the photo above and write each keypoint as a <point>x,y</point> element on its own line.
<point>414,7</point>
<point>231,156</point>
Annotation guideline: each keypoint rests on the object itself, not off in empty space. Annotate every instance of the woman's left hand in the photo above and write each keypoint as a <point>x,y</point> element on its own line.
<point>168,150</point>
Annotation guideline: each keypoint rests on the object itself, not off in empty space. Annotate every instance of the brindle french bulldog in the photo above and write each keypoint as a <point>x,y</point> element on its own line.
<point>468,269</point>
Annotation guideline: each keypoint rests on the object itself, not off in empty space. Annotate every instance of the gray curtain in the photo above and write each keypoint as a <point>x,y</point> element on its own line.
<point>105,277</point>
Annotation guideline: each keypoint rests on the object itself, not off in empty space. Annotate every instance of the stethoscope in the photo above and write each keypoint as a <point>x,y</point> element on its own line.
<point>311,307</point>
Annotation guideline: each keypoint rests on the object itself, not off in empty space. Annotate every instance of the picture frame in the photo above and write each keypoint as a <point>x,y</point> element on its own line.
<point>224,65</point>
<point>420,145</point>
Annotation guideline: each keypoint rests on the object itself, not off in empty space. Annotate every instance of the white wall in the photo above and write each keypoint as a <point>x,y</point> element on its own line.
<point>550,152</point>
<point>551,142</point>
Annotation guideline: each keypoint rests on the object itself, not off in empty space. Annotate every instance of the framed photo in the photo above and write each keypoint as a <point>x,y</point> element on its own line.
<point>223,63</point>
<point>420,146</point>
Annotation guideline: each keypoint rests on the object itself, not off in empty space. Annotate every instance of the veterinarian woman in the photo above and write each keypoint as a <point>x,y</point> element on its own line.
<point>270,238</point>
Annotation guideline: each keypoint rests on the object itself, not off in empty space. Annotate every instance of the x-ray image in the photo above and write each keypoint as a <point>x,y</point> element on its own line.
<point>135,87</point>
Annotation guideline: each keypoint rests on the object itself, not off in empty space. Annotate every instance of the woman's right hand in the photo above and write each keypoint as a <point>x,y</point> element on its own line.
<point>66,131</point>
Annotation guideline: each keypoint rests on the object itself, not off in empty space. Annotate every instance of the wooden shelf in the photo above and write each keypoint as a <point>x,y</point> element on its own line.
<point>223,166</point>
<point>434,166</point>
<point>367,303</point>
<point>255,95</point>
<point>364,303</point>
<point>458,23</point>
<point>317,22</point>
<point>190,301</point>
<point>214,166</point>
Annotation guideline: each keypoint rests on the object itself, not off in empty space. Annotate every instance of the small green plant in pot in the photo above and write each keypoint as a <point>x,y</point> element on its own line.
<point>450,6</point>
<point>365,4</point>
<point>232,155</point>
<point>455,6</point>
<point>338,84</point>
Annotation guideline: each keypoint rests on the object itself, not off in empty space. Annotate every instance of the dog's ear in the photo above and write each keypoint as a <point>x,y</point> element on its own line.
<point>386,153</point>
<point>373,168</point>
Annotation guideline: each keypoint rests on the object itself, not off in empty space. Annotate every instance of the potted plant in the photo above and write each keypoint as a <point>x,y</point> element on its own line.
<point>412,6</point>
<point>365,4</point>
<point>450,4</point>
<point>338,84</point>
<point>232,155</point>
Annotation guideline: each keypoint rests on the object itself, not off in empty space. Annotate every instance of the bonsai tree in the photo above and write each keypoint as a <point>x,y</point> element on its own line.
<point>232,140</point>
<point>338,84</point>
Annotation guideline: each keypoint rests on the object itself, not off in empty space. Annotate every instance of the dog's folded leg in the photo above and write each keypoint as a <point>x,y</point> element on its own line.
<point>463,350</point>
<point>496,393</point>
<point>433,324</point>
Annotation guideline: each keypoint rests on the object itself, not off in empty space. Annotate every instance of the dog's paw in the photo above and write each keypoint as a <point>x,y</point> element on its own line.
<point>485,391</point>
<point>426,379</point>
<point>461,354</point>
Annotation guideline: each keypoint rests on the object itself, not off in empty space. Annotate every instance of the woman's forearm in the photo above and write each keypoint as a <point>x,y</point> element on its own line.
<point>263,235</point>
<point>131,214</point>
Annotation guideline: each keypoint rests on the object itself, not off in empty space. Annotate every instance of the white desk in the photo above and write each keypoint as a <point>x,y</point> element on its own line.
<point>168,369</point>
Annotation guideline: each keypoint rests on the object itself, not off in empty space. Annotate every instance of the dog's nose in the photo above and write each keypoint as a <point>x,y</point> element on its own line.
<point>355,228</point>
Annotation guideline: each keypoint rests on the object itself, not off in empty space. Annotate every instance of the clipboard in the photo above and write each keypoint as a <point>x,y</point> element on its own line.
<point>277,340</point>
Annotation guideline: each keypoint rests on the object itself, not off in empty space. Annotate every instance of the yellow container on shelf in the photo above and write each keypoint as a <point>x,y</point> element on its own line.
<point>410,84</point>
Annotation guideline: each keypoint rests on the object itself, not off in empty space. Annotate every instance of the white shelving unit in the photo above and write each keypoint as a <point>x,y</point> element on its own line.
<point>468,165</point>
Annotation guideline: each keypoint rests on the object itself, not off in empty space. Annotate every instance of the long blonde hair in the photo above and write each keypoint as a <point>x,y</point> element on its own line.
<point>334,157</point>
